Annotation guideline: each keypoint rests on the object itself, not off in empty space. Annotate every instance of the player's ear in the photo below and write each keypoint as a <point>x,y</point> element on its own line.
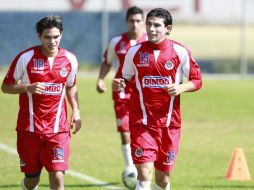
<point>39,35</point>
<point>169,28</point>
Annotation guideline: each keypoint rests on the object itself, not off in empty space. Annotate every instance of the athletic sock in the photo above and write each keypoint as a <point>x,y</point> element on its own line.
<point>143,185</point>
<point>168,186</point>
<point>157,187</point>
<point>126,151</point>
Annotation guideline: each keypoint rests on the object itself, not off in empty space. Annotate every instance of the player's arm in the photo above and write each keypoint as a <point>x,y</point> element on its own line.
<point>104,70</point>
<point>35,88</point>
<point>109,58</point>
<point>127,72</point>
<point>72,96</point>
<point>175,89</point>
<point>11,83</point>
<point>192,71</point>
<point>195,75</point>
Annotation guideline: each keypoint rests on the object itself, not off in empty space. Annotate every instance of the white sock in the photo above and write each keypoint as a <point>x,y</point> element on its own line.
<point>24,186</point>
<point>143,185</point>
<point>126,151</point>
<point>167,186</point>
<point>157,187</point>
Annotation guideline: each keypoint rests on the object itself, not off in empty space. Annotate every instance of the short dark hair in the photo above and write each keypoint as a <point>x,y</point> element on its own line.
<point>132,11</point>
<point>49,22</point>
<point>161,13</point>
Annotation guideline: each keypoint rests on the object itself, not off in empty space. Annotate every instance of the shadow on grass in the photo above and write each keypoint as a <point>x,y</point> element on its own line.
<point>87,186</point>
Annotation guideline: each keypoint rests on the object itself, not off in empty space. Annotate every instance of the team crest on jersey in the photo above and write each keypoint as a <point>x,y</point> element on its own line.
<point>138,152</point>
<point>63,72</point>
<point>169,65</point>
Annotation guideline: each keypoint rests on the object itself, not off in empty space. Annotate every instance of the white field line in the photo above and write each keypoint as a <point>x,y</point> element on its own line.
<point>72,173</point>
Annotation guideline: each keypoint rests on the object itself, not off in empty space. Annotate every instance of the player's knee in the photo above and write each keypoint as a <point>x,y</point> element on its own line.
<point>30,181</point>
<point>33,175</point>
<point>144,173</point>
<point>125,137</point>
<point>56,179</point>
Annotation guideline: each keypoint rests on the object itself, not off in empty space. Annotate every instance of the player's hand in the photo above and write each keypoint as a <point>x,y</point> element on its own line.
<point>101,87</point>
<point>75,120</point>
<point>173,89</point>
<point>35,88</point>
<point>118,84</point>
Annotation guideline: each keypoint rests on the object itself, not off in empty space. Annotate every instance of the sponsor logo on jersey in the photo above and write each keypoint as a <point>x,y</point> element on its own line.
<point>138,152</point>
<point>52,88</point>
<point>63,72</point>
<point>57,161</point>
<point>170,158</point>
<point>155,81</point>
<point>169,65</point>
<point>142,65</point>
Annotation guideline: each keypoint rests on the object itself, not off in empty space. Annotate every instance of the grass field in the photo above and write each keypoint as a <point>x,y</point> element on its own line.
<point>215,121</point>
<point>214,41</point>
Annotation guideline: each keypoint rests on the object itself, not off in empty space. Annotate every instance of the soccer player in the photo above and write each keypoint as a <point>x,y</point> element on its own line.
<point>41,75</point>
<point>158,66</point>
<point>115,52</point>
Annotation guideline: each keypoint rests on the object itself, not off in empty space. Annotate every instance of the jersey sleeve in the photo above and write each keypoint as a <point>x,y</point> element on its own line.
<point>189,66</point>
<point>71,81</point>
<point>195,75</point>
<point>192,70</point>
<point>18,67</point>
<point>128,67</point>
<point>111,56</point>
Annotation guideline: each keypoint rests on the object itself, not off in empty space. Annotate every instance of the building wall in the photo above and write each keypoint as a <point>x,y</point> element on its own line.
<point>201,11</point>
<point>82,33</point>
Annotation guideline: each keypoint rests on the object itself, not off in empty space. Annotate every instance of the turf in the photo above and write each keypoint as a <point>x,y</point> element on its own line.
<point>215,121</point>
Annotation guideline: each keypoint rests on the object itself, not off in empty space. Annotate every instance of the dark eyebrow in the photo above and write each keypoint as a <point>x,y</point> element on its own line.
<point>56,36</point>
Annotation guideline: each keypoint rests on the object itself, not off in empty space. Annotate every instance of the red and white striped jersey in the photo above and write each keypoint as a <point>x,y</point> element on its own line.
<point>47,112</point>
<point>115,53</point>
<point>154,66</point>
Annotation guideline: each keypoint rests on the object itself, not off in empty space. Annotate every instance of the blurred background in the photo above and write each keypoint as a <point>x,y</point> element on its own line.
<point>219,33</point>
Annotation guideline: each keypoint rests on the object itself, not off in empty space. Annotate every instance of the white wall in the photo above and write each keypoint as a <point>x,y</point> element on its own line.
<point>210,11</point>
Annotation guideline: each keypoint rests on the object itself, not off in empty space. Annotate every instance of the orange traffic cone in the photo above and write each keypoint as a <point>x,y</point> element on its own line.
<point>238,168</point>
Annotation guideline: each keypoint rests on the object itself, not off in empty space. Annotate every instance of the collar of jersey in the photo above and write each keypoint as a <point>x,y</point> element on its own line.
<point>160,46</point>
